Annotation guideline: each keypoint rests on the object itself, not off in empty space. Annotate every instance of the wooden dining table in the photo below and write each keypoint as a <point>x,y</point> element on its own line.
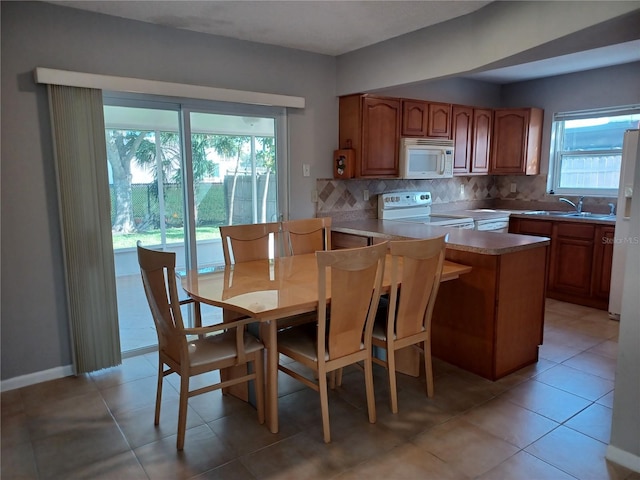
<point>268,290</point>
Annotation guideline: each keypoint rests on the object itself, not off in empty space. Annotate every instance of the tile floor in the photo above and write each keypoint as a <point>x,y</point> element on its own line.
<point>548,421</point>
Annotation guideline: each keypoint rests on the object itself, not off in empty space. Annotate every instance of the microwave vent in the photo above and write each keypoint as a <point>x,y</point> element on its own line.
<point>432,142</point>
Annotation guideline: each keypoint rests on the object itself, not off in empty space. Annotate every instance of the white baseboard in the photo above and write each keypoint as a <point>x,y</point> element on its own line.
<point>37,377</point>
<point>624,458</point>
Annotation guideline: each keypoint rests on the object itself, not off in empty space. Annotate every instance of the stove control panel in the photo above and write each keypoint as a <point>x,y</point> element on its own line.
<point>404,199</point>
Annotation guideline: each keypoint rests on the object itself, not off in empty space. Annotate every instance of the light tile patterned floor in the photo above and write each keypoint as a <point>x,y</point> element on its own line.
<point>548,421</point>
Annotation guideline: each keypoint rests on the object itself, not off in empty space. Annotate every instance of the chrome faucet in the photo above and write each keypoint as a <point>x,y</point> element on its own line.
<point>577,206</point>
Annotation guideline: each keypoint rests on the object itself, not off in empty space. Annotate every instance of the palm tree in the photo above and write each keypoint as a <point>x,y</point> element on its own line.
<point>229,146</point>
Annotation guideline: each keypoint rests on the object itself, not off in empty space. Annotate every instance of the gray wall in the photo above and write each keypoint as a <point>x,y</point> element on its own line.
<point>34,327</point>
<point>605,87</point>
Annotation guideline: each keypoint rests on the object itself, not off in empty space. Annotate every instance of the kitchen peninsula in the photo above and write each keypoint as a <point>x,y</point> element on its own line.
<point>489,321</point>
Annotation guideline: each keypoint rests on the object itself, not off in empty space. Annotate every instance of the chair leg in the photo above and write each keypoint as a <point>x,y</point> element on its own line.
<point>332,379</point>
<point>182,410</point>
<point>156,420</point>
<point>258,366</point>
<point>428,367</point>
<point>391,371</point>
<point>324,405</point>
<point>339,377</point>
<point>368,380</point>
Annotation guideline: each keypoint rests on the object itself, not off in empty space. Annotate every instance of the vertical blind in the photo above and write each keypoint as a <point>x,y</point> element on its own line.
<point>84,202</point>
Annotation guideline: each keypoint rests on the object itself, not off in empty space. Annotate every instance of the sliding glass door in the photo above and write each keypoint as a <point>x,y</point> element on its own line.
<point>177,172</point>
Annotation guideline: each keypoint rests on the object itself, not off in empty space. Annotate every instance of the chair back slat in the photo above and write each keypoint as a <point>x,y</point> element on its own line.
<point>422,262</point>
<point>245,243</point>
<point>306,235</point>
<point>356,280</point>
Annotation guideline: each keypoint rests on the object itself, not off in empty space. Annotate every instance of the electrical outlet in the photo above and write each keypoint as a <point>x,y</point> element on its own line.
<point>366,195</point>
<point>513,188</point>
<point>306,170</point>
<point>461,191</point>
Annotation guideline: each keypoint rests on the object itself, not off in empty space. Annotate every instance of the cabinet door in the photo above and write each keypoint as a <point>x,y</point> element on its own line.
<point>462,119</point>
<point>509,141</point>
<point>482,126</point>
<point>602,259</point>
<point>515,148</point>
<point>439,124</point>
<point>572,259</point>
<point>380,137</point>
<point>414,118</point>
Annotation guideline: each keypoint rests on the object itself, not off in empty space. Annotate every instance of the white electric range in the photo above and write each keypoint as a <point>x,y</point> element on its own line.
<point>415,207</point>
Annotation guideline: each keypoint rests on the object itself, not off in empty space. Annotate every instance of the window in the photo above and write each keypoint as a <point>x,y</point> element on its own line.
<point>586,150</point>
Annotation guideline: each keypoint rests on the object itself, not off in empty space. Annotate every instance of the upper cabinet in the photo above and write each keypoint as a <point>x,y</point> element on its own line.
<point>472,139</point>
<point>517,134</point>
<point>370,125</point>
<point>486,141</point>
<point>439,120</point>
<point>415,117</point>
<point>426,119</point>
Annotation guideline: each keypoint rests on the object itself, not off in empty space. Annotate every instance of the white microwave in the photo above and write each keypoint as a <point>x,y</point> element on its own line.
<point>426,158</point>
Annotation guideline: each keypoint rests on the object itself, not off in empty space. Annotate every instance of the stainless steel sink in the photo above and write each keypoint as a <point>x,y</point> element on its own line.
<point>555,213</point>
<point>551,213</point>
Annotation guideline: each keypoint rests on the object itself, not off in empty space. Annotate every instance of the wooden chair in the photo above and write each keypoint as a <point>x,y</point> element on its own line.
<point>245,243</point>
<point>355,282</point>
<point>407,319</point>
<point>193,351</point>
<point>306,235</point>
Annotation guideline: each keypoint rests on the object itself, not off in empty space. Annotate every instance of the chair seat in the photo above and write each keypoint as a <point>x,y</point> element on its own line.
<point>218,348</point>
<point>300,340</point>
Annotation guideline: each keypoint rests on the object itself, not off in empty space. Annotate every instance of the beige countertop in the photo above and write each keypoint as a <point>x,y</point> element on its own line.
<point>487,243</point>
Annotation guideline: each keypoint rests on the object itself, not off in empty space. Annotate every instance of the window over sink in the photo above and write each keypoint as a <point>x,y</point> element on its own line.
<point>586,150</point>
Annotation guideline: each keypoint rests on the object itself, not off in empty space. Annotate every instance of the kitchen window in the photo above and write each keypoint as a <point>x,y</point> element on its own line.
<point>586,150</point>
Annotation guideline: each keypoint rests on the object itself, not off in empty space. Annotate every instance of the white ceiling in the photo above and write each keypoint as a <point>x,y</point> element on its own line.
<point>337,26</point>
<point>327,27</point>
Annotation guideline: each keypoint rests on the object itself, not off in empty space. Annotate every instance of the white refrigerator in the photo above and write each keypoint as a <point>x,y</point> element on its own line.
<point>623,238</point>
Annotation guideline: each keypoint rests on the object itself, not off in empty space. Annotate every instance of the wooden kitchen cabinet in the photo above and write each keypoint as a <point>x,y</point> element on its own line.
<point>579,269</point>
<point>415,117</point>
<point>349,240</point>
<point>425,119</point>
<point>370,126</point>
<point>602,260</point>
<point>516,139</point>
<point>571,259</point>
<point>471,129</point>
<point>439,120</point>
<point>490,321</point>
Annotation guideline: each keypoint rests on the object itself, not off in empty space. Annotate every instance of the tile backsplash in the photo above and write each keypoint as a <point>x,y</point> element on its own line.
<point>345,199</point>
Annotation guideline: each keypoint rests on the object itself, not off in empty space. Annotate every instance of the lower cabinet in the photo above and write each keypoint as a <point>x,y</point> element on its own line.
<point>602,256</point>
<point>347,240</point>
<point>579,269</point>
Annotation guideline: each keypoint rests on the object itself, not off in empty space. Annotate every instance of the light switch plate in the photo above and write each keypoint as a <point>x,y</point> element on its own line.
<point>306,170</point>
